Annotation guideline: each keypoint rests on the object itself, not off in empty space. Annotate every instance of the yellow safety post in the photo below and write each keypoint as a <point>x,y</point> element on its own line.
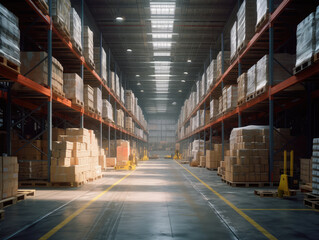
<point>283,189</point>
<point>291,163</point>
<point>145,157</point>
<point>177,155</point>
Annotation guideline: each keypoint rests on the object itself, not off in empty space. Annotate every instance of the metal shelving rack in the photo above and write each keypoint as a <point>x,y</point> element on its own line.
<point>251,54</point>
<point>57,106</point>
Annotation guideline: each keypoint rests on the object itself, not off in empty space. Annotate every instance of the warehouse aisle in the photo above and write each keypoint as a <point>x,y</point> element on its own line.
<point>160,200</point>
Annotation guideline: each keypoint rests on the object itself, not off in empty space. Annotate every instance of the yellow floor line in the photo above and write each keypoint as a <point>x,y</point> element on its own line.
<point>240,212</point>
<point>284,209</point>
<point>77,212</point>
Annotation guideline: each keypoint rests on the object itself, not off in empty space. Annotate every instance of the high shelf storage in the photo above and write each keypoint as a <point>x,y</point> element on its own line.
<point>276,33</point>
<point>45,107</point>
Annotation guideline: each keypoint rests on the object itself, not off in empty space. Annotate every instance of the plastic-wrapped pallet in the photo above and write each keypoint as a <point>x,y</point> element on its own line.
<point>122,95</point>
<point>75,29</point>
<point>211,74</point>
<point>88,52</point>
<point>129,101</point>
<point>213,108</point>
<point>219,62</point>
<point>315,166</point>
<point>88,95</point>
<point>112,81</point>
<point>317,30</point>
<point>97,57</point>
<point>242,87</point>
<point>202,86</point>
<point>61,15</point>
<point>233,41</point>
<point>232,97</point>
<point>262,72</point>
<point>251,80</point>
<point>9,36</point>
<point>129,124</point>
<point>305,40</point>
<point>98,100</point>
<point>220,104</point>
<point>120,118</point>
<point>117,85</point>
<point>204,117</point>
<point>225,98</point>
<point>197,92</point>
<point>262,10</point>
<point>73,87</point>
<point>107,110</point>
<point>246,21</point>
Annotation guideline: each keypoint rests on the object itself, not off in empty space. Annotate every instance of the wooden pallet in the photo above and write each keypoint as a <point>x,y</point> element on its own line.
<point>316,57</point>
<point>77,102</point>
<point>42,5</point>
<point>89,109</point>
<point>306,188</point>
<point>313,203</point>
<point>261,90</point>
<point>212,169</point>
<point>97,112</point>
<point>242,47</point>
<point>241,102</point>
<point>66,184</point>
<point>1,214</point>
<point>34,183</point>
<point>90,63</point>
<point>219,175</point>
<point>60,26</point>
<point>7,202</point>
<point>184,162</point>
<point>76,47</point>
<point>263,21</point>
<point>302,66</point>
<point>8,64</point>
<point>266,193</point>
<point>27,192</point>
<point>250,97</point>
<point>58,92</point>
<point>248,184</point>
<point>311,196</point>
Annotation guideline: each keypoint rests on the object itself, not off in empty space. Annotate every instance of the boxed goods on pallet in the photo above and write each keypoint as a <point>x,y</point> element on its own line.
<point>204,117</point>
<point>220,105</point>
<point>110,162</point>
<point>251,81</point>
<point>202,86</point>
<point>73,88</point>
<point>120,118</point>
<point>100,63</point>
<point>61,15</point>
<point>219,64</point>
<point>9,168</point>
<point>211,74</point>
<point>129,124</point>
<point>315,166</point>
<point>232,97</point>
<point>88,48</point>
<point>197,151</point>
<point>117,86</point>
<point>107,110</point>
<point>129,101</point>
<point>122,152</point>
<point>262,11</point>
<point>233,41</point>
<point>202,161</point>
<point>305,170</point>
<point>39,74</point>
<point>242,88</point>
<point>88,95</point>
<point>9,37</point>
<point>224,94</point>
<point>246,21</point>
<point>97,99</point>
<point>122,95</point>
<point>75,157</point>
<point>75,30</point>
<point>213,108</point>
<point>214,157</point>
<point>112,81</point>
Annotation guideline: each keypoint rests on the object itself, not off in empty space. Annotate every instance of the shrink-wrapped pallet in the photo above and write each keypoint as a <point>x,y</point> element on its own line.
<point>251,80</point>
<point>242,87</point>
<point>220,104</point>
<point>246,21</point>
<point>129,101</point>
<point>213,108</point>
<point>233,41</point>
<point>61,15</point>
<point>98,100</point>
<point>122,95</point>
<point>262,73</point>
<point>75,29</point>
<point>219,62</point>
<point>129,124</point>
<point>317,30</point>
<point>9,36</point>
<point>224,94</point>
<point>211,74</point>
<point>88,47</point>
<point>117,86</point>
<point>107,110</point>
<point>262,10</point>
<point>99,54</point>
<point>120,118</point>
<point>9,169</point>
<point>88,95</point>
<point>305,40</point>
<point>73,87</point>
<point>232,97</point>
<point>202,86</point>
<point>197,92</point>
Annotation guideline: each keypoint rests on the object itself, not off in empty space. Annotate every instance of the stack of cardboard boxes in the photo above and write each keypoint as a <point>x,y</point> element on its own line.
<point>122,153</point>
<point>120,118</point>
<point>305,170</point>
<point>8,177</point>
<point>88,48</point>
<point>73,88</point>
<point>214,157</point>
<point>88,96</point>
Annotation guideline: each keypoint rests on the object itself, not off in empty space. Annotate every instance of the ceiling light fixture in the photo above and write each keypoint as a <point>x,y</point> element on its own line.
<point>142,90</point>
<point>129,50</point>
<point>138,84</point>
<point>179,90</point>
<point>189,60</point>
<point>185,73</point>
<point>183,81</point>
<point>174,103</point>
<point>137,75</point>
<point>119,19</point>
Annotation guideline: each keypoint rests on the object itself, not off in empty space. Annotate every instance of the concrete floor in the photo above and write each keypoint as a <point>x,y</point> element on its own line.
<point>160,200</point>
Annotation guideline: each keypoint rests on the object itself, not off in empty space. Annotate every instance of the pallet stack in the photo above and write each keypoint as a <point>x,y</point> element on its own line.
<point>122,153</point>
<point>242,88</point>
<point>75,30</point>
<point>230,97</point>
<point>219,63</point>
<point>213,108</point>
<point>88,95</point>
<point>214,157</point>
<point>9,168</point>
<point>97,99</point>
<point>107,110</point>
<point>211,72</point>
<point>197,152</point>
<point>100,54</point>
<point>129,101</point>
<point>251,83</point>
<point>75,157</point>
<point>9,31</point>
<point>73,88</point>
<point>61,16</point>
<point>233,41</point>
<point>262,13</point>
<point>120,118</point>
<point>305,170</point>
<point>129,126</point>
<point>88,47</point>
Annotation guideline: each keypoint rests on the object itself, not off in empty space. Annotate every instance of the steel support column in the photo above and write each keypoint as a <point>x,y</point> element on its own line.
<point>271,101</point>
<point>204,130</point>
<point>101,53</point>
<point>239,113</point>
<point>8,120</point>
<point>222,86</point>
<point>82,67</point>
<point>109,85</point>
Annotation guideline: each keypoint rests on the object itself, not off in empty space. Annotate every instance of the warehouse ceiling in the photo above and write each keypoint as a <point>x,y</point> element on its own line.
<point>161,46</point>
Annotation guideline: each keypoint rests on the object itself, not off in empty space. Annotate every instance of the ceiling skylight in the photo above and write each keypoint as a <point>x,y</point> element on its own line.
<point>162,54</point>
<point>162,8</point>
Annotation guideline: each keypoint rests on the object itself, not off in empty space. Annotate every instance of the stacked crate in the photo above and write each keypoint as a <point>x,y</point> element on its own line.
<point>97,99</point>
<point>9,168</point>
<point>251,83</point>
<point>120,118</point>
<point>197,152</point>
<point>213,108</point>
<point>211,74</point>
<point>129,124</point>
<point>73,88</point>
<point>88,98</point>
<point>214,157</point>
<point>232,97</point>
<point>219,63</point>
<point>242,88</point>
<point>246,21</point>
<point>315,166</point>
<point>122,153</point>
<point>202,161</point>
<point>9,38</point>
<point>129,101</point>
<point>107,110</point>
<point>76,30</point>
<point>61,16</point>
<point>100,63</point>
<point>75,157</point>
<point>88,47</point>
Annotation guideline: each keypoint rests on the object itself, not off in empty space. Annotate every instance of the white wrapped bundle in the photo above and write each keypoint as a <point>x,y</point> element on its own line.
<point>73,86</point>
<point>97,58</point>
<point>219,63</point>
<point>122,95</point>
<point>202,86</point>
<point>98,100</point>
<point>75,28</point>
<point>262,72</point>
<point>251,80</point>
<point>305,39</point>
<point>61,14</point>
<point>233,40</point>
<point>211,73</point>
<point>242,86</point>
<point>88,45</point>
<point>213,108</point>
<point>262,10</point>
<point>246,20</point>
<point>9,36</point>
<point>232,97</point>
<point>220,104</point>
<point>317,30</point>
<point>117,85</point>
<point>129,101</point>
<point>197,92</point>
<point>224,94</point>
<point>112,81</point>
<point>107,110</point>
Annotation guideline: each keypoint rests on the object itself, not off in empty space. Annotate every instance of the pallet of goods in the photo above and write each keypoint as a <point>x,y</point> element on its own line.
<point>129,124</point>
<point>9,169</point>
<point>242,89</point>
<point>211,73</point>
<point>219,63</point>
<point>88,48</point>
<point>100,67</point>
<point>73,88</point>
<point>97,99</point>
<point>88,96</point>
<point>107,110</point>
<point>61,16</point>
<point>9,40</point>
<point>214,157</point>
<point>262,16</point>
<point>120,118</point>
<point>233,41</point>
<point>213,108</point>
<point>75,30</point>
<point>251,83</point>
